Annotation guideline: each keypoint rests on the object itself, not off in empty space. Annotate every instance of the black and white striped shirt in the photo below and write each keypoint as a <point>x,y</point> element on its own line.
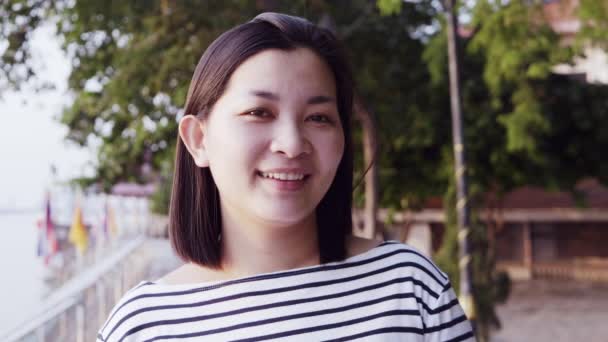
<point>389,293</point>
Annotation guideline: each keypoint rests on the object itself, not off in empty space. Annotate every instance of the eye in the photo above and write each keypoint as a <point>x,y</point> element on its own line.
<point>320,118</point>
<point>258,113</point>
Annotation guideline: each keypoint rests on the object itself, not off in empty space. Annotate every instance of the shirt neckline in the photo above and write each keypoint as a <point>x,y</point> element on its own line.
<point>264,275</point>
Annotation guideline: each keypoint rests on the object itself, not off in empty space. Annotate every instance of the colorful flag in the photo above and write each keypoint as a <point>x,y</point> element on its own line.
<point>78,232</point>
<point>47,240</point>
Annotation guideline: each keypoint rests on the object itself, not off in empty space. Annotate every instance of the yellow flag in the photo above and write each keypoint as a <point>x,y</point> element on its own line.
<point>78,232</point>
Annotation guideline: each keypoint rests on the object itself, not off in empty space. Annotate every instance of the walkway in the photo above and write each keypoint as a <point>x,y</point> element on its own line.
<point>555,311</point>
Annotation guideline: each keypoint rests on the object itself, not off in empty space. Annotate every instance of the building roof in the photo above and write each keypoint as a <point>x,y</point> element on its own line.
<point>561,15</point>
<point>593,195</point>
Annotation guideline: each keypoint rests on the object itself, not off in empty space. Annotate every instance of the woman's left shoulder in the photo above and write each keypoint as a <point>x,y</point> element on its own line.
<point>408,260</point>
<point>357,245</point>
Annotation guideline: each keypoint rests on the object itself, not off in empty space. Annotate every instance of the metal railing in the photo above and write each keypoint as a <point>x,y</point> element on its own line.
<point>76,310</point>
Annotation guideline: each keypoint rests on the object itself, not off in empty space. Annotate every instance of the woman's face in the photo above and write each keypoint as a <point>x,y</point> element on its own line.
<point>274,140</point>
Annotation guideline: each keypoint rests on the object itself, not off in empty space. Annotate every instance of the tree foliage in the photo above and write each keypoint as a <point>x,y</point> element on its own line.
<point>522,125</point>
<point>132,62</point>
<point>593,15</point>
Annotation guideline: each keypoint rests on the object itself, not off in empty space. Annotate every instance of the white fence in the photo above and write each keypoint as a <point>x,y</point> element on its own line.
<point>88,285</point>
<point>79,307</point>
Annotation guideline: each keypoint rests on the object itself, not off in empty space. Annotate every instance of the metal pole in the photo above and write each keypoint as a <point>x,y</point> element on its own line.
<point>462,205</point>
<point>100,292</point>
<point>63,326</point>
<point>118,284</point>
<point>40,333</point>
<point>80,322</point>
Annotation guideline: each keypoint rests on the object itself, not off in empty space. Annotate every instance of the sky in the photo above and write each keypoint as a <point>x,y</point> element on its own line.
<point>31,138</point>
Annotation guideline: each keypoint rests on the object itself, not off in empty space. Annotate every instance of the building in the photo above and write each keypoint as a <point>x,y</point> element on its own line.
<point>537,233</point>
<point>593,66</point>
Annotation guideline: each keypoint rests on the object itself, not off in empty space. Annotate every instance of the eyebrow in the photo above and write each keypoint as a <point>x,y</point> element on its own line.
<point>317,99</point>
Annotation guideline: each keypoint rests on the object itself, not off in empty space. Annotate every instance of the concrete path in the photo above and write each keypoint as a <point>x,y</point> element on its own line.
<point>555,311</point>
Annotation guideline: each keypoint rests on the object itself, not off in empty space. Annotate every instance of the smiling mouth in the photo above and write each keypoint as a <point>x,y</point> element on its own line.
<point>284,176</point>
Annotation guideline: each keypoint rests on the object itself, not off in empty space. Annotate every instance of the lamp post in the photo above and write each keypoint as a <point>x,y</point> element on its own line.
<point>462,205</point>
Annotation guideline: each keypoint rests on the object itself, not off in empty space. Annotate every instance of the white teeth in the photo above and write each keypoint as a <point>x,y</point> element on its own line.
<point>283,176</point>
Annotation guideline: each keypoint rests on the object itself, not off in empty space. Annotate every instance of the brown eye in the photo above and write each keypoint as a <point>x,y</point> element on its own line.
<point>259,113</point>
<point>320,118</point>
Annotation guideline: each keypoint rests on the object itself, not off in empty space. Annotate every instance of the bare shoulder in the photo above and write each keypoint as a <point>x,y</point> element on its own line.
<point>357,245</point>
<point>191,274</point>
<point>176,276</point>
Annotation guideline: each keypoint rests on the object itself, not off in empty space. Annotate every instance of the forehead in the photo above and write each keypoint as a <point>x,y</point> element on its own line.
<point>281,71</point>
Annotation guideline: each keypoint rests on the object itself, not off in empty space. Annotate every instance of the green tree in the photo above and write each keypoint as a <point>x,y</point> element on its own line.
<point>593,16</point>
<point>132,62</point>
<point>523,125</point>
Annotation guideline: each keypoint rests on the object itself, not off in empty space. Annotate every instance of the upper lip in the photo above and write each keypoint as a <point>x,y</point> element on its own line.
<point>287,170</point>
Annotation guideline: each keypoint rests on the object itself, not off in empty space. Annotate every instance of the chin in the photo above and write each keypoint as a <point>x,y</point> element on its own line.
<point>280,217</point>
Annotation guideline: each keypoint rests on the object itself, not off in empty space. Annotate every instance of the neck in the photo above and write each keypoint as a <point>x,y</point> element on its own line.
<point>249,248</point>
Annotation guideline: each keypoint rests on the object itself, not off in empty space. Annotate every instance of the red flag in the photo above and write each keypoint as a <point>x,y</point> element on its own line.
<point>50,228</point>
<point>47,243</point>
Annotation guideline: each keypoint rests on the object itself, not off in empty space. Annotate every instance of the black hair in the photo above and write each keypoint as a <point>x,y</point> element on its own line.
<point>194,216</point>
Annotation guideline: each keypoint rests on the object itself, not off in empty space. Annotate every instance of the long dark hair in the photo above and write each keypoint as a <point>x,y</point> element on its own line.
<point>194,216</point>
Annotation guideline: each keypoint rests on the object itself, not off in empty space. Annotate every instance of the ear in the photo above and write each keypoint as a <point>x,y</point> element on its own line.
<point>192,133</point>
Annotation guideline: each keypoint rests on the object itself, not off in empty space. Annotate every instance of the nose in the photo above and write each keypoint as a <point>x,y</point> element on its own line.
<point>290,140</point>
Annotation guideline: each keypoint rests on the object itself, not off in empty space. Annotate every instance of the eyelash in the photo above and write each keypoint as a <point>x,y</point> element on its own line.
<point>263,113</point>
<point>259,111</point>
<point>325,118</point>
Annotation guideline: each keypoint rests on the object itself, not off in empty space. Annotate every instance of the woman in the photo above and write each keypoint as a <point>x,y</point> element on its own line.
<point>261,210</point>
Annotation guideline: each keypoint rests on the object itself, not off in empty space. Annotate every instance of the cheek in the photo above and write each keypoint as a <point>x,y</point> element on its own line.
<point>331,151</point>
<point>233,149</point>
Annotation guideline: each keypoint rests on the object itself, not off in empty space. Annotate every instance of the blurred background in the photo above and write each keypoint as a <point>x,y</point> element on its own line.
<point>91,93</point>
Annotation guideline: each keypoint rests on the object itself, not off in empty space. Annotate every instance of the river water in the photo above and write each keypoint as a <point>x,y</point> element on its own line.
<point>22,286</point>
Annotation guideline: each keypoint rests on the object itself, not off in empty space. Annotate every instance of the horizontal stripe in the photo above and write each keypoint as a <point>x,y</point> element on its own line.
<point>390,290</point>
<point>445,325</point>
<point>292,317</point>
<point>292,302</point>
<point>276,291</point>
<point>301,301</point>
<point>463,337</point>
<point>273,276</point>
<point>441,308</point>
<point>387,330</point>
<point>320,268</point>
<point>441,273</point>
<point>331,326</point>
